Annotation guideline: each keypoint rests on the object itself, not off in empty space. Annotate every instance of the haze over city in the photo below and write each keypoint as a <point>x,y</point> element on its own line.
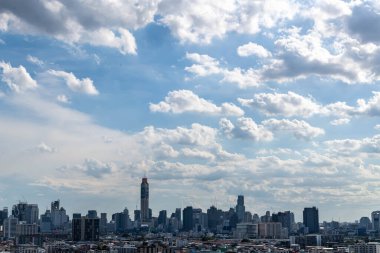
<point>278,101</point>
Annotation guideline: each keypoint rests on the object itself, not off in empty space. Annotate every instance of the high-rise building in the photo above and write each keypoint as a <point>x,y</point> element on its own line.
<point>103,224</point>
<point>270,230</point>
<point>26,212</point>
<point>365,222</point>
<point>3,215</point>
<point>92,214</point>
<point>77,215</point>
<point>85,229</point>
<point>286,218</point>
<point>375,216</point>
<point>54,205</point>
<point>311,219</point>
<point>188,219</point>
<point>45,222</point>
<point>9,227</point>
<point>178,215</point>
<point>144,200</point>
<point>213,218</point>
<point>240,208</point>
<point>162,217</point>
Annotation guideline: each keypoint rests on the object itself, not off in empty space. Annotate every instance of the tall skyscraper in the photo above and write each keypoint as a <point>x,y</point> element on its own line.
<point>162,218</point>
<point>311,219</point>
<point>240,208</point>
<point>26,212</point>
<point>286,218</point>
<point>375,215</point>
<point>144,200</point>
<point>178,214</point>
<point>188,222</point>
<point>85,229</point>
<point>55,205</point>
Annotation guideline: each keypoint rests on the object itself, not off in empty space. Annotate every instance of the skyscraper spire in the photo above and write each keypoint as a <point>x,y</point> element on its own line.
<point>144,200</point>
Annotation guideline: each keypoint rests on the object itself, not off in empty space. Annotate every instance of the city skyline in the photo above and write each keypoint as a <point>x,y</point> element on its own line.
<point>239,201</point>
<point>276,101</point>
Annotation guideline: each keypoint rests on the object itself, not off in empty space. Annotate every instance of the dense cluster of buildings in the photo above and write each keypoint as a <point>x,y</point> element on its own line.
<point>22,229</point>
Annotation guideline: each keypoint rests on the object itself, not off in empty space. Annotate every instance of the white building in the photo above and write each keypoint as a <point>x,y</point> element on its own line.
<point>371,247</point>
<point>9,227</point>
<point>246,230</point>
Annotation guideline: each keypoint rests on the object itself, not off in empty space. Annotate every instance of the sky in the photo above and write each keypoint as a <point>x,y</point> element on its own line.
<point>275,100</point>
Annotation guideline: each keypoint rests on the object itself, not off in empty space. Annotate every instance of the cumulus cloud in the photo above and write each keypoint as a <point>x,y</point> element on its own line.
<point>253,49</point>
<point>368,145</point>
<point>182,101</point>
<point>44,148</point>
<point>17,78</point>
<point>80,22</point>
<point>363,22</point>
<point>84,85</point>
<point>95,168</point>
<point>63,99</point>
<point>34,60</point>
<point>245,128</point>
<point>286,104</point>
<point>202,21</point>
<point>338,122</point>
<point>299,128</point>
<point>206,65</point>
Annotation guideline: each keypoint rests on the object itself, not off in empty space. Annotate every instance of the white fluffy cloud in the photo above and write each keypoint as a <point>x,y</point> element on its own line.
<point>34,60</point>
<point>17,78</point>
<point>245,128</point>
<point>205,65</point>
<point>96,23</point>
<point>84,85</point>
<point>182,101</point>
<point>299,128</point>
<point>202,21</point>
<point>63,99</point>
<point>287,104</point>
<point>253,49</point>
<point>338,122</point>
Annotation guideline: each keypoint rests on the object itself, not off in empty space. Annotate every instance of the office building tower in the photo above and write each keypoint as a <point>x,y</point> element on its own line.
<point>178,215</point>
<point>375,216</point>
<point>27,233</point>
<point>9,227</point>
<point>92,214</point>
<point>162,219</point>
<point>3,215</point>
<point>213,218</point>
<point>45,222</point>
<point>122,221</point>
<point>311,219</point>
<point>77,215</point>
<point>365,222</point>
<point>59,218</point>
<point>85,229</point>
<point>187,219</point>
<point>54,205</point>
<point>25,212</point>
<point>285,218</point>
<point>200,221</point>
<point>137,216</point>
<point>144,200</point>
<point>266,218</point>
<point>270,230</point>
<point>240,208</point>
<point>103,224</point>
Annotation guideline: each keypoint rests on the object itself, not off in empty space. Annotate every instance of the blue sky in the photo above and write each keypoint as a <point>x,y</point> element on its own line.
<point>278,101</point>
